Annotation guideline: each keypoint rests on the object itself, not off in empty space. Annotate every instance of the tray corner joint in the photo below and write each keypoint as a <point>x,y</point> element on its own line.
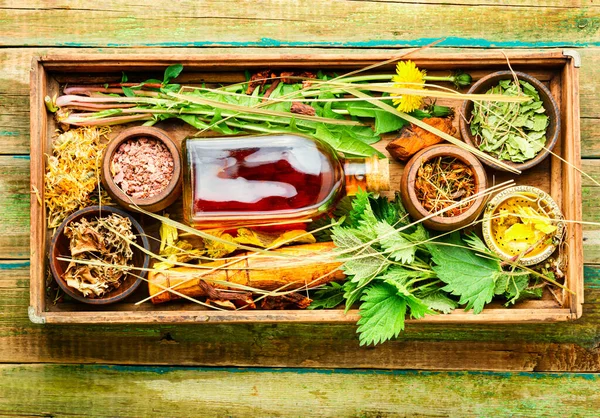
<point>34,317</point>
<point>574,54</point>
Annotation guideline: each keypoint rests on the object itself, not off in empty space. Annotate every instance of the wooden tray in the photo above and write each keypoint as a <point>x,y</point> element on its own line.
<point>557,68</point>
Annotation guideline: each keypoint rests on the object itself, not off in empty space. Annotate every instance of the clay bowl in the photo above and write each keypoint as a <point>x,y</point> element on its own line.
<point>549,104</point>
<point>155,203</point>
<point>409,196</point>
<point>59,247</point>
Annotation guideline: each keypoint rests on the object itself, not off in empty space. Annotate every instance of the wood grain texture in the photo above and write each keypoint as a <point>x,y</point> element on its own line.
<point>289,23</point>
<point>38,27</point>
<point>567,346</point>
<point>153,391</point>
<point>14,89</point>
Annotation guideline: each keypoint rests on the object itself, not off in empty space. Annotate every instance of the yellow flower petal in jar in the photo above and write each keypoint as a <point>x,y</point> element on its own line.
<point>540,222</point>
<point>520,232</point>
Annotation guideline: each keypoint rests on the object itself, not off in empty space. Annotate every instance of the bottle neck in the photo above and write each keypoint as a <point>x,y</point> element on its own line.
<point>370,174</point>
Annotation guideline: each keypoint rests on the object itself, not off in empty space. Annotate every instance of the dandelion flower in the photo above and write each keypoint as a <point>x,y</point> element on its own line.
<point>408,76</point>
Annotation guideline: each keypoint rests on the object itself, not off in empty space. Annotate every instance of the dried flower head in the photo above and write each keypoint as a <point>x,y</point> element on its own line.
<point>408,76</point>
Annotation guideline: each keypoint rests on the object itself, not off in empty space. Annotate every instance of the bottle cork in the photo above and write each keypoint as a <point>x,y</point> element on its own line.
<point>377,174</point>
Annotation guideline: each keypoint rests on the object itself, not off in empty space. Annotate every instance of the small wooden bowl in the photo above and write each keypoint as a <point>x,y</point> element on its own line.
<point>152,204</point>
<point>409,196</point>
<point>552,110</point>
<point>59,247</point>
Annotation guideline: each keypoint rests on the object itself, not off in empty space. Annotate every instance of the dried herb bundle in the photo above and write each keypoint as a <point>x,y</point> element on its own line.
<point>442,182</point>
<point>102,239</point>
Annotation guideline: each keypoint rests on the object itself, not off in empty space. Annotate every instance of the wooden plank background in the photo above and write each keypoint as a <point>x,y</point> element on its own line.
<point>531,369</point>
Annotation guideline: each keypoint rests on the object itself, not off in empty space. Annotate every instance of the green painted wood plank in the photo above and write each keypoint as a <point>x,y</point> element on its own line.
<point>14,207</point>
<point>338,23</point>
<point>565,346</point>
<point>14,89</point>
<point>149,391</point>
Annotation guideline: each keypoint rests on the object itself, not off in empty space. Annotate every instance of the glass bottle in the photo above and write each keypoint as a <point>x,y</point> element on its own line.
<point>269,180</point>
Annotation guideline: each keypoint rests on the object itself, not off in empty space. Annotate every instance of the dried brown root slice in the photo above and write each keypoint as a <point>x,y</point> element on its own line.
<point>413,139</point>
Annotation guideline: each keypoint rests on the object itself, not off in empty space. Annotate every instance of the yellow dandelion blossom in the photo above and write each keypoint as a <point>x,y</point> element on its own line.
<point>408,76</point>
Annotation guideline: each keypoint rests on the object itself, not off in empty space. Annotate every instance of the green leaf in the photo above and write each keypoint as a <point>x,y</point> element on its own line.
<point>511,285</point>
<point>392,212</point>
<point>473,241</point>
<point>127,91</point>
<point>382,314</point>
<point>387,122</point>
<point>398,247</point>
<point>171,73</point>
<point>347,146</point>
<point>363,263</point>
<point>194,121</point>
<point>359,205</point>
<point>352,294</point>
<point>418,309</point>
<point>466,274</point>
<point>328,297</point>
<point>438,301</point>
<point>123,77</point>
<point>540,122</point>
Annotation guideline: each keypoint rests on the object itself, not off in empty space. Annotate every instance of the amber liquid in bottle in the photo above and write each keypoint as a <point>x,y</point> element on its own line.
<point>262,180</point>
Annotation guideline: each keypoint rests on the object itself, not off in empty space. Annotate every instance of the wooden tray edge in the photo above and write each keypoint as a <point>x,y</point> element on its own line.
<point>490,316</point>
<point>38,120</point>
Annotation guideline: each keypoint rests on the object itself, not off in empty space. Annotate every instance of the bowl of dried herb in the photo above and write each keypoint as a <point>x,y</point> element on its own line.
<point>520,134</point>
<point>93,257</point>
<point>443,185</point>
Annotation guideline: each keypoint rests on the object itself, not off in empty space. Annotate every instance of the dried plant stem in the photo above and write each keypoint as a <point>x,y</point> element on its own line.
<point>436,131</point>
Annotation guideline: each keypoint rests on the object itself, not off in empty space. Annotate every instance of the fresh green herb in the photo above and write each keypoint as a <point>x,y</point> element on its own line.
<point>171,73</point>
<point>466,273</point>
<point>230,111</point>
<point>328,296</point>
<point>395,270</point>
<point>511,131</point>
<point>385,267</point>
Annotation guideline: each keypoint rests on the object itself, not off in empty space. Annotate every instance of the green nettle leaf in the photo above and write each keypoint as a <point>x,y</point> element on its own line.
<point>382,314</point>
<point>391,212</point>
<point>171,73</point>
<point>328,297</point>
<point>352,293</point>
<point>363,263</point>
<point>367,225</point>
<point>418,309</point>
<point>466,274</point>
<point>477,244</point>
<point>359,205</point>
<point>392,241</point>
<point>438,301</point>
<point>512,286</point>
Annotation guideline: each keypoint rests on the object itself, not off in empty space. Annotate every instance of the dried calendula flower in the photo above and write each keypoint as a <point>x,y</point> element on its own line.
<point>72,172</point>
<point>105,241</point>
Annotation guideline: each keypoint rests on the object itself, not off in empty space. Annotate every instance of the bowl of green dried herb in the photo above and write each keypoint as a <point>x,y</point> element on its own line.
<point>519,134</point>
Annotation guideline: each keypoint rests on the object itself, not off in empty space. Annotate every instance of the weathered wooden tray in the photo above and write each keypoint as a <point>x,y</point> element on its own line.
<point>557,68</point>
